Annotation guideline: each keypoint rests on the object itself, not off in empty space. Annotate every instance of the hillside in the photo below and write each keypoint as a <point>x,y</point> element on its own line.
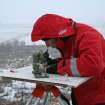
<point>17,53</point>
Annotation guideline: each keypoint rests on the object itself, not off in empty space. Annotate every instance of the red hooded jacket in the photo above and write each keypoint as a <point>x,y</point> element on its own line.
<point>82,56</point>
<point>85,57</point>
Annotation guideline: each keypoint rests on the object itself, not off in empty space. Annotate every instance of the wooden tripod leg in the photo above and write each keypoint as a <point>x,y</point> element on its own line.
<point>46,98</point>
<point>37,100</point>
<point>61,101</point>
<point>29,100</point>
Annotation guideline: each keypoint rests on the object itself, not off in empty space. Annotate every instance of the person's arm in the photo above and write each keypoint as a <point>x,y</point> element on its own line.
<point>52,69</point>
<point>90,61</point>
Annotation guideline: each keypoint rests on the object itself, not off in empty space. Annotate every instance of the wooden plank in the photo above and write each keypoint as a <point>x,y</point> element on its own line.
<point>25,74</point>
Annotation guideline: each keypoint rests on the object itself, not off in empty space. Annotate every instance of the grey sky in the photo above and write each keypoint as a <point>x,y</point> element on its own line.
<point>27,11</point>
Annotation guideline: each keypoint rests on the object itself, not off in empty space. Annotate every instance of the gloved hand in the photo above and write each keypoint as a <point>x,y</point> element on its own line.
<point>48,59</point>
<point>51,66</point>
<point>46,54</point>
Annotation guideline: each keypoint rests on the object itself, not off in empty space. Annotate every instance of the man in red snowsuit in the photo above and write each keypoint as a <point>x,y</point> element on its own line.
<point>83,54</point>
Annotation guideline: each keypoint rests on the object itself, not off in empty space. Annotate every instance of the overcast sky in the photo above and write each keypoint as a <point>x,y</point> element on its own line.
<point>27,11</point>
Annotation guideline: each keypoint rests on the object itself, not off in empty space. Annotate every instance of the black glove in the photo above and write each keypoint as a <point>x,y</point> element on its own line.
<point>46,54</point>
<point>52,69</point>
<point>52,64</point>
<point>48,59</point>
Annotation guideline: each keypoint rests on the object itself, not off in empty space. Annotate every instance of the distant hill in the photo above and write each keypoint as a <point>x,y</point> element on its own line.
<point>14,50</point>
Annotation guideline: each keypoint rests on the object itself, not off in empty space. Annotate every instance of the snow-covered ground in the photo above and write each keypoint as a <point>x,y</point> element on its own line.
<point>16,87</point>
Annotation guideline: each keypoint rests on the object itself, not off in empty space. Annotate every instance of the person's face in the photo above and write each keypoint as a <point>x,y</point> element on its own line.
<point>55,43</point>
<point>50,42</point>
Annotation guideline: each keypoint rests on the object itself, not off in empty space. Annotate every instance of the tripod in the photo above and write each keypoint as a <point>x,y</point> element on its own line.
<point>46,90</point>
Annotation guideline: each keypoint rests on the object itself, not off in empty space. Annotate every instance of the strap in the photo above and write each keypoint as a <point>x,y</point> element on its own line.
<point>73,66</point>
